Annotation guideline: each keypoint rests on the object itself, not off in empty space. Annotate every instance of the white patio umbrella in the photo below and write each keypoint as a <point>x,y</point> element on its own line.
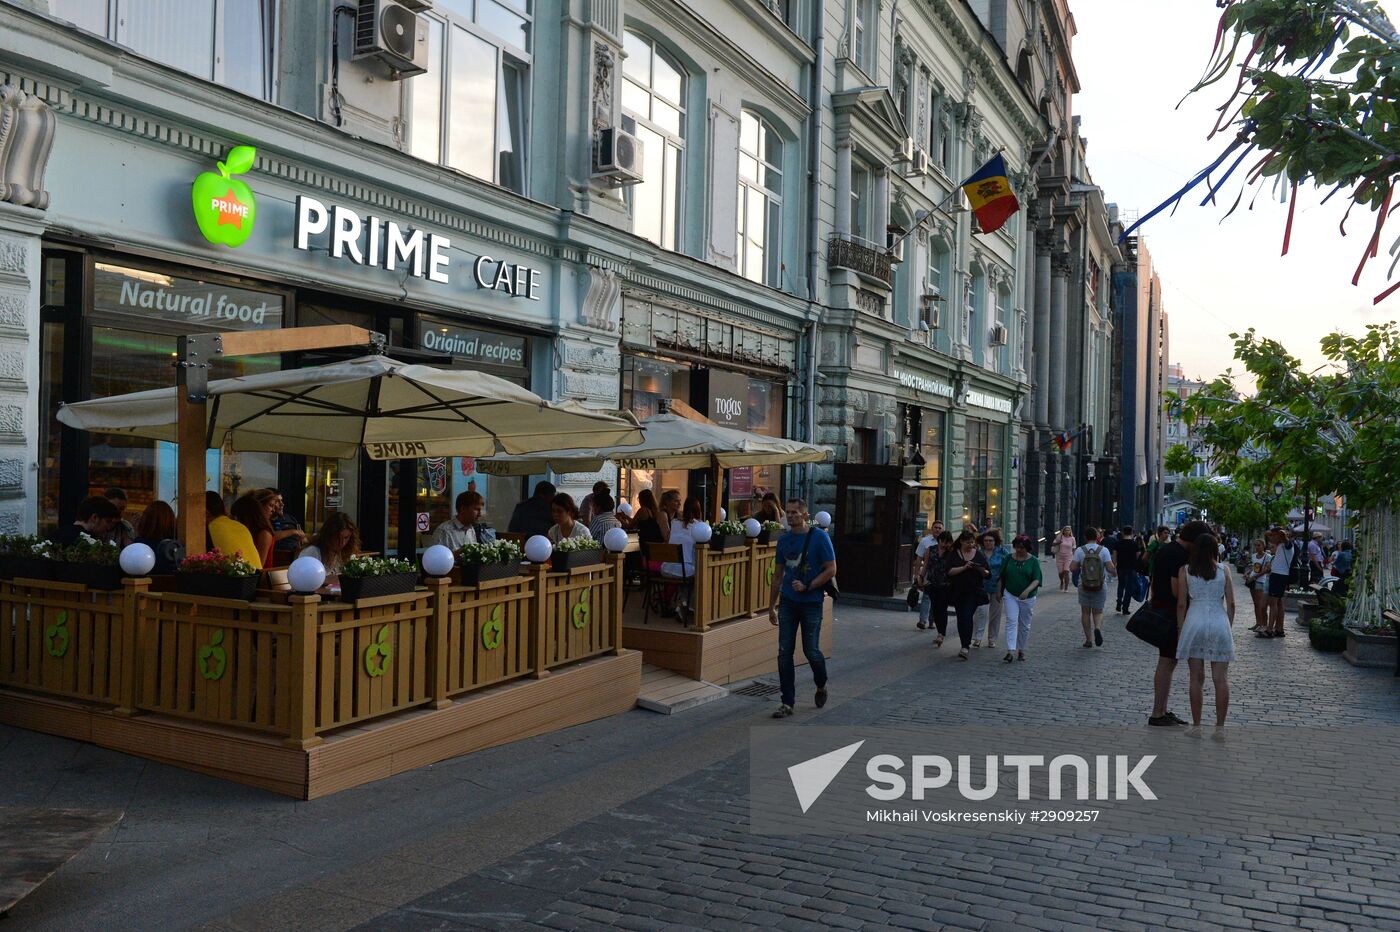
<point>670,442</point>
<point>388,408</point>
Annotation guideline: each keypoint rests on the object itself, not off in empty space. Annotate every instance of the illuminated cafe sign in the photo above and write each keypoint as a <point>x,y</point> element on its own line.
<point>394,247</point>
<point>920,384</point>
<point>990,402</point>
<point>465,343</point>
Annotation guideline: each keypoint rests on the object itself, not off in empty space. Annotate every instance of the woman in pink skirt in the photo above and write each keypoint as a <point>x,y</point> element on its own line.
<point>1063,550</point>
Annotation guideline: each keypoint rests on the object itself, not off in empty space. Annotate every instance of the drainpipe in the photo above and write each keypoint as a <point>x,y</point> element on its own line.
<point>814,252</point>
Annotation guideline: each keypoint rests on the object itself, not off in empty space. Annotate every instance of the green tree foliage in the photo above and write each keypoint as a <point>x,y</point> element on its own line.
<point>1331,430</point>
<point>1235,507</point>
<point>1314,88</point>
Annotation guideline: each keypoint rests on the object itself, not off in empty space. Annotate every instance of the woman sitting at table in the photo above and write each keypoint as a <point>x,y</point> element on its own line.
<point>769,508</point>
<point>566,523</point>
<point>682,534</point>
<point>228,536</point>
<point>157,525</point>
<point>255,514</point>
<point>336,542</point>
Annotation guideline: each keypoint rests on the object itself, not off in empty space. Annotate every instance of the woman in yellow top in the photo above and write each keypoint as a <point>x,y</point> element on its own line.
<point>226,535</point>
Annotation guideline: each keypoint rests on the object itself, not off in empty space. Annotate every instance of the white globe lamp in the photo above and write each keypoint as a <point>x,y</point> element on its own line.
<point>438,560</point>
<point>538,549</point>
<point>625,509</point>
<point>752,527</point>
<point>615,540</point>
<point>137,559</point>
<point>723,515</point>
<point>823,519</point>
<point>701,532</point>
<point>306,574</point>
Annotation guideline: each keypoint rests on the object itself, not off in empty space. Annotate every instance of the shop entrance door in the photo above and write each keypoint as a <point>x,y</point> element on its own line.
<point>875,527</point>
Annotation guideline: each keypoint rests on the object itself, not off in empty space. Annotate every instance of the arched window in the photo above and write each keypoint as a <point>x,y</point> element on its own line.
<point>653,109</point>
<point>760,200</point>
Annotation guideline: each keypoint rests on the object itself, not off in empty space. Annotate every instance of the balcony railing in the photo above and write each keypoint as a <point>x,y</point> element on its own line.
<point>843,253</point>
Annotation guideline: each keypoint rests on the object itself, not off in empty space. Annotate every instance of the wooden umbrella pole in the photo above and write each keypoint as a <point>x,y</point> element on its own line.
<point>716,483</point>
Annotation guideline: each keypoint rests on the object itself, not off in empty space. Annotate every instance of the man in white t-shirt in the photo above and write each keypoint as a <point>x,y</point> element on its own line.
<point>1280,574</point>
<point>928,543</point>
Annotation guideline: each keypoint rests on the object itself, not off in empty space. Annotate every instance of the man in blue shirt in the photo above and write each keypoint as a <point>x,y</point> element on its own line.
<point>806,562</point>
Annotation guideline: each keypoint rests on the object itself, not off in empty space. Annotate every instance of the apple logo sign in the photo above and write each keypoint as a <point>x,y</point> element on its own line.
<point>224,207</point>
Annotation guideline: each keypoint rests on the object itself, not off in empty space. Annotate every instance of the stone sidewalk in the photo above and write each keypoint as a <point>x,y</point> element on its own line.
<point>641,821</point>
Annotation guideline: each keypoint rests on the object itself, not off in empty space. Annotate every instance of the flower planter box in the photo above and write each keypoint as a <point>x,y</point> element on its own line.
<point>1370,650</point>
<point>26,568</point>
<point>217,585</point>
<point>563,562</point>
<point>1307,610</point>
<point>728,541</point>
<point>352,589</point>
<point>474,574</point>
<point>92,575</point>
<point>1327,639</point>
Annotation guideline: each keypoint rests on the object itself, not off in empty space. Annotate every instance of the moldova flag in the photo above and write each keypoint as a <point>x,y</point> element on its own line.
<point>989,193</point>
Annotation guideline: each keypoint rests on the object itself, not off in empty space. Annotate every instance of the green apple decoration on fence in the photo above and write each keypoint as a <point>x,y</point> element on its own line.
<point>212,658</point>
<point>491,631</point>
<point>726,585</point>
<point>224,207</point>
<point>57,635</point>
<point>581,610</point>
<point>377,654</point>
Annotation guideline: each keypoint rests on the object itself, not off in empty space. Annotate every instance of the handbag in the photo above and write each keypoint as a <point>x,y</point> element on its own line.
<point>912,599</point>
<point>1142,587</point>
<point>1154,625</point>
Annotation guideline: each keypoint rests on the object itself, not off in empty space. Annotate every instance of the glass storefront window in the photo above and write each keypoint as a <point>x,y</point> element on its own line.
<point>866,515</point>
<point>646,383</point>
<point>50,396</point>
<point>748,485</point>
<point>986,445</point>
<point>924,429</point>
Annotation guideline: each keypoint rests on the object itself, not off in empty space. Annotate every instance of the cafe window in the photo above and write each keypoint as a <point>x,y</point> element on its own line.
<point>136,318</point>
<point>647,384</point>
<point>748,484</point>
<point>984,486</point>
<point>229,42</point>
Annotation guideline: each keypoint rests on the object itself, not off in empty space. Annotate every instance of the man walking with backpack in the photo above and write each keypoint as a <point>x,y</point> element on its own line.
<point>1094,564</point>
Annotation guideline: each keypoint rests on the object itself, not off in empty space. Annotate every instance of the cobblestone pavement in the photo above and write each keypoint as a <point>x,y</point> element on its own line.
<point>641,821</point>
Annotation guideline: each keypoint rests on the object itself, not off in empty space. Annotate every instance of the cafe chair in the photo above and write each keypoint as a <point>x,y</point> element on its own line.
<point>656,583</point>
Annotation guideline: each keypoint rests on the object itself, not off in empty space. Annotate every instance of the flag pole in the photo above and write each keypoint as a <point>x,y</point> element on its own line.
<point>942,206</point>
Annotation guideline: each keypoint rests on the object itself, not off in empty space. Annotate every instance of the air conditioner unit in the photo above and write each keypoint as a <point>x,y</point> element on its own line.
<point>617,154</point>
<point>999,335</point>
<point>894,245</point>
<point>906,150</point>
<point>929,305</point>
<point>921,162</point>
<point>392,32</point>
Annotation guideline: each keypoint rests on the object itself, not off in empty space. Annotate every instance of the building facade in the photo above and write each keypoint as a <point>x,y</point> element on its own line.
<point>1140,354</point>
<point>788,252</point>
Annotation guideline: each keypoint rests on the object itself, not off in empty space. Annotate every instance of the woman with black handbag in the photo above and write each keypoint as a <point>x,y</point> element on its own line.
<point>967,571</point>
<point>936,585</point>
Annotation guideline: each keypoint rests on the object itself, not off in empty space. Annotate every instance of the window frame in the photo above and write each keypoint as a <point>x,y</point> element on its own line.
<point>217,71</point>
<point>670,140</point>
<point>772,259</point>
<point>509,57</point>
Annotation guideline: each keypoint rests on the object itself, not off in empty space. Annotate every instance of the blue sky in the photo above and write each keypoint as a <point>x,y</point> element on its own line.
<point>1135,61</point>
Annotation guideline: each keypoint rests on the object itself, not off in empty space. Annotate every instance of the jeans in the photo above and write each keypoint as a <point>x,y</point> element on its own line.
<point>792,616</point>
<point>966,608</point>
<point>1018,621</point>
<point>1127,590</point>
<point>988,619</point>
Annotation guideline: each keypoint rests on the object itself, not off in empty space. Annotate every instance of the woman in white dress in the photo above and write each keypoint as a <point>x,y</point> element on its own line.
<point>1204,618</point>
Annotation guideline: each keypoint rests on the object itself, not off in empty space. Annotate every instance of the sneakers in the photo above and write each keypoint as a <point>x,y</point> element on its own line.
<point>820,698</point>
<point>783,711</point>
<point>976,642</point>
<point>1098,638</point>
<point>991,643</point>
<point>1168,718</point>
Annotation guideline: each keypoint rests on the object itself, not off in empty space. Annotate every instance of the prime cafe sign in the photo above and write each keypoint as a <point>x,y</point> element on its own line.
<point>397,247</point>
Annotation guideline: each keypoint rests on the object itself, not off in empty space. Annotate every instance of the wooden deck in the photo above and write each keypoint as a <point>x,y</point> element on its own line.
<point>581,692</point>
<point>668,692</point>
<point>728,652</point>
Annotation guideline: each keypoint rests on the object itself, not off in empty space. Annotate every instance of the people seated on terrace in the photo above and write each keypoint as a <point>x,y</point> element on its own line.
<point>334,544</point>
<point>156,529</point>
<point>228,536</point>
